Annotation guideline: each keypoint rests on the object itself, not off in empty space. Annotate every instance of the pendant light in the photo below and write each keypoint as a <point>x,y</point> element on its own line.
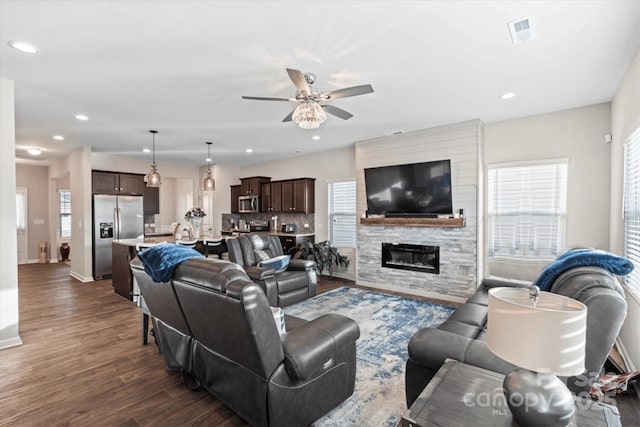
<point>209,182</point>
<point>153,177</point>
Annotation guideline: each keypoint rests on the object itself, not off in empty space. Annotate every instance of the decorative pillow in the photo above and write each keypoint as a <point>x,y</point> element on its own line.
<point>279,263</point>
<point>278,317</point>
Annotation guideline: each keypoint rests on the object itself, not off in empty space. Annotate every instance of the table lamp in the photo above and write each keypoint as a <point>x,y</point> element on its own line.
<point>544,335</point>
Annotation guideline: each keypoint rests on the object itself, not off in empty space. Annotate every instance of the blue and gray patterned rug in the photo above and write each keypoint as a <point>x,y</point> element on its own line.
<point>387,323</point>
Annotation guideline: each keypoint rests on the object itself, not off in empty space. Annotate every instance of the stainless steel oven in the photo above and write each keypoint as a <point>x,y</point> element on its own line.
<point>248,204</point>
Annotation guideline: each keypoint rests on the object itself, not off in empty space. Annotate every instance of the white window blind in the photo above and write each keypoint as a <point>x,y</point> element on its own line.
<point>632,209</point>
<point>342,213</point>
<point>64,198</point>
<point>527,211</point>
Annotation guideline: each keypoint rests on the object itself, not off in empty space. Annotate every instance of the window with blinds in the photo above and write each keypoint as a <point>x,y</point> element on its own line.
<point>64,199</point>
<point>527,211</point>
<point>342,213</point>
<point>632,209</point>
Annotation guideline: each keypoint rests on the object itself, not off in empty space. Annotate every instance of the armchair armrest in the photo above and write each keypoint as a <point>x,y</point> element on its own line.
<point>298,264</point>
<point>266,279</point>
<point>311,348</point>
<point>259,273</point>
<point>430,347</point>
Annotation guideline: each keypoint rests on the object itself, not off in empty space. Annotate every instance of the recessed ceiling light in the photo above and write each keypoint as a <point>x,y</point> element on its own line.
<point>23,46</point>
<point>249,150</point>
<point>316,137</point>
<point>34,151</point>
<point>508,95</point>
<point>208,159</point>
<point>82,117</point>
<point>146,150</point>
<point>58,137</point>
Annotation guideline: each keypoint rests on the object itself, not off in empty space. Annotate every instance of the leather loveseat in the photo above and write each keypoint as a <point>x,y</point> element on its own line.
<point>297,283</point>
<point>463,336</point>
<point>216,326</point>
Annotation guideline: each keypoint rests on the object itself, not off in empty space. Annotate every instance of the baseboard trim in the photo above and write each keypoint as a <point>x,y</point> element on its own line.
<point>418,292</point>
<point>80,278</point>
<point>53,260</point>
<point>10,342</point>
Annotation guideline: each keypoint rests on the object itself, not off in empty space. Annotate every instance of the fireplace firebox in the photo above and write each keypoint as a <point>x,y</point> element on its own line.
<point>411,257</point>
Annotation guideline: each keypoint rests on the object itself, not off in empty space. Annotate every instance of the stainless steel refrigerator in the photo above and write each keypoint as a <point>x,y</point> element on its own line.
<point>114,217</point>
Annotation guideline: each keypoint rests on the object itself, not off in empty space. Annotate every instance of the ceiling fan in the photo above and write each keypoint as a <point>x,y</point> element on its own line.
<point>312,105</point>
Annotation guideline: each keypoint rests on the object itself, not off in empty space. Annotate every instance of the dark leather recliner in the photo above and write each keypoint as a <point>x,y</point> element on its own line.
<point>297,283</point>
<point>463,336</point>
<point>215,325</point>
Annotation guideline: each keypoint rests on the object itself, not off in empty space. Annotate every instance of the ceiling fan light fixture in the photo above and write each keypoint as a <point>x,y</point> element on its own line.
<point>209,183</point>
<point>309,115</point>
<point>153,177</point>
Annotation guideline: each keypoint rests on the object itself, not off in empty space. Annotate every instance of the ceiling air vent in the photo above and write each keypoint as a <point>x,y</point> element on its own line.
<point>522,30</point>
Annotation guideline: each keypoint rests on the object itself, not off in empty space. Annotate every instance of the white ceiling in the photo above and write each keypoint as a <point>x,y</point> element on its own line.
<point>181,67</point>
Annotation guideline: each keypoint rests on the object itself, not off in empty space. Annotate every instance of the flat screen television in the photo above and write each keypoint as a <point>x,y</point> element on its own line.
<point>411,190</point>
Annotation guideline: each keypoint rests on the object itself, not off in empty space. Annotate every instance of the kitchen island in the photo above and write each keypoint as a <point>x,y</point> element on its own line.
<point>124,250</point>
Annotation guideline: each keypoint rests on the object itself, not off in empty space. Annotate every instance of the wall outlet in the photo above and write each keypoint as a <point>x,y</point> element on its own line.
<point>306,226</point>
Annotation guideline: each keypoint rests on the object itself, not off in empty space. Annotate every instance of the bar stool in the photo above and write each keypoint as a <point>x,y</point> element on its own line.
<point>187,243</point>
<point>213,246</point>
<point>140,301</point>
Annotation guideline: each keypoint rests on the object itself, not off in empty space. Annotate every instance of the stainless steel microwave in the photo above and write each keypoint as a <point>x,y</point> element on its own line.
<point>248,204</point>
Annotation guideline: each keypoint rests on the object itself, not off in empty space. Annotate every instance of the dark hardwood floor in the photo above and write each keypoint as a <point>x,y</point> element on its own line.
<point>83,362</point>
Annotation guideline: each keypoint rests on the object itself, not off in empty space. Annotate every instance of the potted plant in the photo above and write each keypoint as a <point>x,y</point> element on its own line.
<point>325,255</point>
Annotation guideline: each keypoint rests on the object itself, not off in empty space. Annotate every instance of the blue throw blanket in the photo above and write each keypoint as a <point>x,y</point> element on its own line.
<point>580,258</point>
<point>159,261</point>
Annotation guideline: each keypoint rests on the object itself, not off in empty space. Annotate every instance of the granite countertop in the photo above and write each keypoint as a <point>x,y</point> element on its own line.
<point>159,239</point>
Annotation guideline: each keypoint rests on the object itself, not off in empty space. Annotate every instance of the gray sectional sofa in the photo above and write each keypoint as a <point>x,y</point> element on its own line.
<point>463,336</point>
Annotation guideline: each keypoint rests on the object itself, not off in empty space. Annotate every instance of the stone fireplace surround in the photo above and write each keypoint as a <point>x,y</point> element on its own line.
<point>460,265</point>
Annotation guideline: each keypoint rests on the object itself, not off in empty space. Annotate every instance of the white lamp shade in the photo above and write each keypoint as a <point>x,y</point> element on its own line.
<point>548,337</point>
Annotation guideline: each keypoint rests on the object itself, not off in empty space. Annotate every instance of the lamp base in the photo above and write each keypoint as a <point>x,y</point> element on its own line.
<point>537,399</point>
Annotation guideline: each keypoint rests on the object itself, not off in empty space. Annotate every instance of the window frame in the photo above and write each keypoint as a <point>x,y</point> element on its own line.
<point>632,280</point>
<point>332,214</point>
<point>525,254</point>
<point>62,214</point>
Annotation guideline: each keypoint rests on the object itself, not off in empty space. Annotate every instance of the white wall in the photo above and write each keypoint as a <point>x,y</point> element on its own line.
<point>625,120</point>
<point>9,334</point>
<point>225,176</point>
<point>576,134</point>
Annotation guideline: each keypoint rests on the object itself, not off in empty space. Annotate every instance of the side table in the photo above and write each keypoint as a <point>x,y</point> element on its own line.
<point>461,395</point>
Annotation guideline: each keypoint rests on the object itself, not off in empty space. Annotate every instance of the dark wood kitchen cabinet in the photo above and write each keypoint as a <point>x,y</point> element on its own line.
<point>235,193</point>
<point>298,195</point>
<point>272,197</point>
<point>118,183</point>
<point>252,186</point>
<point>151,201</point>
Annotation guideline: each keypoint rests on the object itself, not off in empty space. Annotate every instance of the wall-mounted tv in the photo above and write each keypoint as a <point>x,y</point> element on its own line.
<point>416,189</point>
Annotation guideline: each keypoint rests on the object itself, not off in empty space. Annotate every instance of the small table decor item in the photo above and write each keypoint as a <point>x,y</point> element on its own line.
<point>194,216</point>
<point>544,334</point>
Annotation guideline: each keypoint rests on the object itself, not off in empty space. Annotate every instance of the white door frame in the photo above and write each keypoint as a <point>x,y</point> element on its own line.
<point>23,237</point>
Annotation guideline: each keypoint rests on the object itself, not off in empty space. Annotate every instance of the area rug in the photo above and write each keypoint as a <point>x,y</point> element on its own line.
<point>387,323</point>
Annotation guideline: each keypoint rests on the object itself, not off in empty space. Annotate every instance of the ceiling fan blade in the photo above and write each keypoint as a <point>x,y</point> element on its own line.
<point>298,79</point>
<point>290,116</point>
<point>338,112</point>
<point>268,98</point>
<point>350,91</point>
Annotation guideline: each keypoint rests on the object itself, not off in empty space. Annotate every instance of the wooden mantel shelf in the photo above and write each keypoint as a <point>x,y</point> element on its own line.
<point>415,222</point>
